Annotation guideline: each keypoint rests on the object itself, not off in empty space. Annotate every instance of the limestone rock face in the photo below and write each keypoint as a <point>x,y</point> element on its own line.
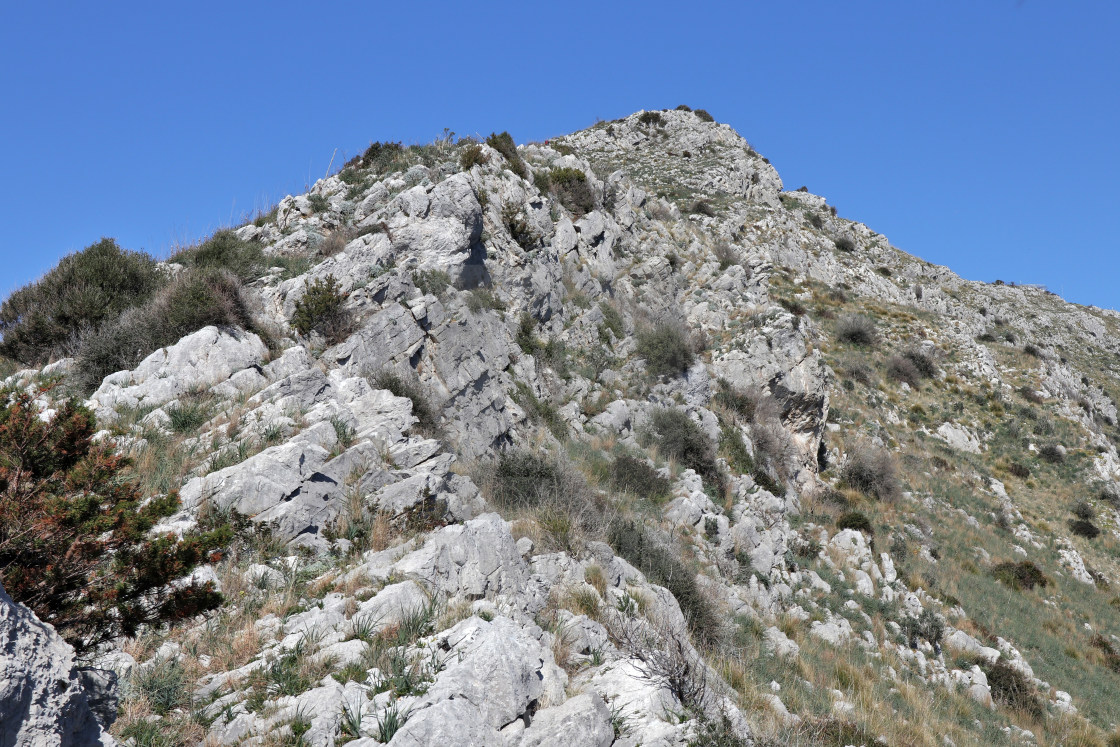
<point>42,698</point>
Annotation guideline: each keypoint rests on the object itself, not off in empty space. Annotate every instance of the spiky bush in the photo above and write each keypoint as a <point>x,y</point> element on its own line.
<point>503,143</point>
<point>666,349</point>
<point>1020,576</point>
<point>856,329</point>
<point>871,470</point>
<point>573,190</point>
<point>74,543</point>
<point>224,251</point>
<point>678,437</point>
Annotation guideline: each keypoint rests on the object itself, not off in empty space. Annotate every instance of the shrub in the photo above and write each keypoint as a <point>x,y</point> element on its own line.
<point>726,255</point>
<point>633,475</point>
<point>678,437</point>
<point>1019,576</point>
<point>74,544</point>
<point>186,417</point>
<point>651,118</point>
<point>845,244</point>
<point>193,300</point>
<point>901,369</point>
<point>380,157</point>
<point>472,155</point>
<point>1032,350</point>
<point>225,251</point>
<point>163,684</point>
<point>666,350</point>
<point>1083,528</point>
<point>85,290</point>
<point>409,388</point>
<point>520,229</point>
<point>504,144</point>
<point>484,298</point>
<point>1012,688</point>
<point>1110,494</point>
<point>748,403</point>
<point>557,496</point>
<point>1019,470</point>
<point>702,207</point>
<point>661,566</point>
<point>612,320</point>
<point>1084,511</point>
<point>855,520</point>
<point>703,114</point>
<point>573,190</point>
<point>1052,453</point>
<point>319,203</point>
<point>1105,646</point>
<point>922,361</point>
<point>872,471</point>
<point>431,282</point>
<point>856,329</point>
<point>322,310</point>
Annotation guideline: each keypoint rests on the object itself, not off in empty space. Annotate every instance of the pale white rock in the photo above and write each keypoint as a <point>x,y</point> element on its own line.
<point>959,437</point>
<point>776,643</point>
<point>582,720</point>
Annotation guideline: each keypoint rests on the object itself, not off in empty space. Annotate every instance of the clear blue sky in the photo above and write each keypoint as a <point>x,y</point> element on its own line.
<point>980,134</point>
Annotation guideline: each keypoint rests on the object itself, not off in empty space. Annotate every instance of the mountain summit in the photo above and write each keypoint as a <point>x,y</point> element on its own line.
<point>607,440</point>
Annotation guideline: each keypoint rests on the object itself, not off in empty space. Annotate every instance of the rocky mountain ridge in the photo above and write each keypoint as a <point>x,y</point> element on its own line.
<point>613,441</point>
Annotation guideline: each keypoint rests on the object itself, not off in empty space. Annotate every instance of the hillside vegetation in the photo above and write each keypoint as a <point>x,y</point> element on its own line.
<point>605,441</point>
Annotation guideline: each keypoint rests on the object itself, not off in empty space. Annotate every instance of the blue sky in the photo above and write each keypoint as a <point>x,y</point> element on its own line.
<point>980,134</point>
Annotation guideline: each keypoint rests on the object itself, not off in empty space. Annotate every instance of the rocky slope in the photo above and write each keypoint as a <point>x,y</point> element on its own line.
<point>477,517</point>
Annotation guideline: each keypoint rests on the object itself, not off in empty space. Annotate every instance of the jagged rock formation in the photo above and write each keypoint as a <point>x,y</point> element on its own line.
<point>834,566</point>
<point>43,699</point>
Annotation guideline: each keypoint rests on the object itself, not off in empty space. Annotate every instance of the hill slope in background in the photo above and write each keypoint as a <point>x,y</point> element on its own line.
<point>611,440</point>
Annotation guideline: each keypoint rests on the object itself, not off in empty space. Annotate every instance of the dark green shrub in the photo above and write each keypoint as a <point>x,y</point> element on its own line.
<point>856,329</point>
<point>193,300</point>
<point>1019,470</point>
<point>702,207</point>
<point>872,471</point>
<point>651,118</point>
<point>380,157</point>
<point>431,282</point>
<point>902,369</point>
<point>504,144</point>
<point>735,451</point>
<point>1052,453</point>
<point>1032,350</point>
<point>1021,575</point>
<point>526,334</point>
<point>1013,689</point>
<point>319,203</point>
<point>1110,494</point>
<point>1106,647</point>
<point>409,388</point>
<point>678,437</point>
<point>743,402</point>
<point>612,320</point>
<point>661,566</point>
<point>573,190</point>
<point>74,541</point>
<point>1082,528</point>
<point>815,220</point>
<point>855,520</point>
<point>472,155</point>
<point>87,289</point>
<point>519,227</point>
<point>186,417</point>
<point>703,114</point>
<point>666,350</point>
<point>928,626</point>
<point>727,255</point>
<point>633,475</point>
<point>225,251</point>
<point>845,244</point>
<point>484,298</point>
<point>684,108</point>
<point>556,496</point>
<point>922,361</point>
<point>526,480</point>
<point>322,310</point>
<point>1084,511</point>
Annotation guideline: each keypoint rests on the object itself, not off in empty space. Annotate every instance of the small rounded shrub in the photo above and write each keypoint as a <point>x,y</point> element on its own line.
<point>1019,470</point>
<point>855,520</point>
<point>225,251</point>
<point>503,143</point>
<point>678,437</point>
<point>472,155</point>
<point>1020,576</point>
<point>1084,511</point>
<point>322,310</point>
<point>845,244</point>
<point>1012,688</point>
<point>408,386</point>
<point>1052,453</point>
<point>903,370</point>
<point>871,470</point>
<point>87,289</point>
<point>651,118</point>
<point>633,475</point>
<point>573,190</point>
<point>666,350</point>
<point>703,115</point>
<point>856,329</point>
<point>1083,528</point>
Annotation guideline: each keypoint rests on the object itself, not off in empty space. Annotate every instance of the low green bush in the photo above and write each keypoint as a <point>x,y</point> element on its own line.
<point>1082,528</point>
<point>845,244</point>
<point>872,471</point>
<point>573,190</point>
<point>408,386</point>
<point>666,349</point>
<point>503,143</point>
<point>556,496</point>
<point>1052,453</point>
<point>635,476</point>
<point>431,282</point>
<point>196,298</point>
<point>660,564</point>
<point>651,118</point>
<point>856,329</point>
<point>855,520</point>
<point>678,437</point>
<point>703,114</point>
<point>472,155</point>
<point>86,290</point>
<point>1019,576</point>
<point>524,234</point>
<point>224,250</point>
<point>322,309</point>
<point>901,369</point>
<point>1013,689</point>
